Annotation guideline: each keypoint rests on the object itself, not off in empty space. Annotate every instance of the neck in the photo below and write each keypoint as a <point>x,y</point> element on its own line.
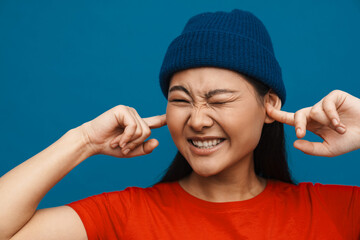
<point>237,185</point>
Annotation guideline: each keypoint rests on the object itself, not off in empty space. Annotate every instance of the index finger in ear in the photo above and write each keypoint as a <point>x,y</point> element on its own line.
<point>156,121</point>
<point>279,115</point>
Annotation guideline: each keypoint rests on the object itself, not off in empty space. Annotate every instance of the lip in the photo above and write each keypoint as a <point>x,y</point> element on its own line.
<point>204,151</point>
<point>204,138</point>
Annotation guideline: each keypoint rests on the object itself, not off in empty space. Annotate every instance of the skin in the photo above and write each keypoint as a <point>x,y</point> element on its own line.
<point>120,132</point>
<point>218,103</point>
<point>22,188</point>
<point>335,119</point>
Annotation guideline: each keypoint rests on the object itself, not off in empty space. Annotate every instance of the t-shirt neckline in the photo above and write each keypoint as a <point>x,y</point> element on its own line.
<point>225,206</point>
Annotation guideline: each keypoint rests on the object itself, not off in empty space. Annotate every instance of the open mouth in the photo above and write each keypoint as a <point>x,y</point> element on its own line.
<point>207,143</point>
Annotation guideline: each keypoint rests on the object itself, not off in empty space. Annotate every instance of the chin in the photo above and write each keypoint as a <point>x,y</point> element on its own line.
<point>206,172</point>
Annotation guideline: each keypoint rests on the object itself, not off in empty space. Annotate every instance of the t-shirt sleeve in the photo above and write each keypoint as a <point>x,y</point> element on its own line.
<point>343,204</point>
<point>105,215</point>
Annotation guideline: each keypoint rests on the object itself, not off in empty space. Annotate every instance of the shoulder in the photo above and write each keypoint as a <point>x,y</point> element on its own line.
<point>133,195</point>
<point>110,205</point>
<point>157,189</point>
<point>331,195</point>
<point>314,188</point>
<point>127,197</point>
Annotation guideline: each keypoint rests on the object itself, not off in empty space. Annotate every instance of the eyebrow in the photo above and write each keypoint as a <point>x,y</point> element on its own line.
<point>179,88</point>
<point>207,95</point>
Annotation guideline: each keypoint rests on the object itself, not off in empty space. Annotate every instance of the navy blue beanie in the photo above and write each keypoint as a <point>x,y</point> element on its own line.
<point>235,40</point>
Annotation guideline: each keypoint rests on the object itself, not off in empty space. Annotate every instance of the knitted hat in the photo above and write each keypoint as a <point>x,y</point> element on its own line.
<point>235,40</point>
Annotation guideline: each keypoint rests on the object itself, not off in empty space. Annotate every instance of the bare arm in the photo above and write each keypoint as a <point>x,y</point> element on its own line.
<point>23,187</point>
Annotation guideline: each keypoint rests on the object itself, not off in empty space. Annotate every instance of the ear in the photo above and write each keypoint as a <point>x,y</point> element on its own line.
<point>275,101</point>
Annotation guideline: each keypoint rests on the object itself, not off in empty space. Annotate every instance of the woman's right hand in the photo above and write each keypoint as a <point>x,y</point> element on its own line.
<point>121,132</point>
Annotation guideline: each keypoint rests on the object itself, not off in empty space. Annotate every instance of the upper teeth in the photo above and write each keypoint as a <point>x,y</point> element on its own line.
<point>206,144</point>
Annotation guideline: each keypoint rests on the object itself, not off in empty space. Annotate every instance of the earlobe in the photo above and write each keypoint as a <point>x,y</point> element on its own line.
<point>272,99</point>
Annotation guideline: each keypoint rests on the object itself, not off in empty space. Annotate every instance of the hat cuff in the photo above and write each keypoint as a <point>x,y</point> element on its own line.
<point>223,50</point>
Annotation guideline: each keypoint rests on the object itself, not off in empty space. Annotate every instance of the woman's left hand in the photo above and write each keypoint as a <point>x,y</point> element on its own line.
<point>336,119</point>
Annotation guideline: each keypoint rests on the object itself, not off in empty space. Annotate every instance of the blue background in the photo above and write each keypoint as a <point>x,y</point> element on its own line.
<point>62,63</point>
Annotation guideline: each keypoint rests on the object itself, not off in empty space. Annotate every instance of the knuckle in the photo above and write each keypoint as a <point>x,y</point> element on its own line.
<point>132,109</point>
<point>117,109</point>
<point>300,115</point>
<point>138,133</point>
<point>297,114</point>
<point>127,108</point>
<point>121,107</point>
<point>315,113</point>
<point>336,91</point>
<point>325,103</point>
<point>301,112</point>
<point>147,132</point>
<point>131,127</point>
<point>131,146</point>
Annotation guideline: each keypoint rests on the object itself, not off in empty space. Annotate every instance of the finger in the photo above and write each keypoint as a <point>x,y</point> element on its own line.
<point>280,116</point>
<point>123,141</point>
<point>330,104</point>
<point>300,118</point>
<point>137,134</point>
<point>145,133</point>
<point>139,130</point>
<point>341,128</point>
<point>131,126</point>
<point>318,115</point>
<point>313,148</point>
<point>116,141</point>
<point>124,121</point>
<point>156,121</point>
<point>144,148</point>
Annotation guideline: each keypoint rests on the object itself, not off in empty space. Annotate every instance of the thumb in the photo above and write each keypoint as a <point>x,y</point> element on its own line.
<point>143,149</point>
<point>156,121</point>
<point>312,148</point>
<point>149,146</point>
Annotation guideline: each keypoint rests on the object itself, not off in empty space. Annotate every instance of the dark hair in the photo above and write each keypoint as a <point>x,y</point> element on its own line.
<point>270,161</point>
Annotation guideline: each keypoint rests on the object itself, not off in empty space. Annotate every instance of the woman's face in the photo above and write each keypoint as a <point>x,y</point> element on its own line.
<point>215,119</point>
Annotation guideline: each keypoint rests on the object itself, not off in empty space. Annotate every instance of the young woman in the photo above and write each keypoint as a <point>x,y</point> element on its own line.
<point>230,179</point>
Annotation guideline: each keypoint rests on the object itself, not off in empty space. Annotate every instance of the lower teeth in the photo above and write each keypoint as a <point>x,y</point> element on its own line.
<point>204,147</point>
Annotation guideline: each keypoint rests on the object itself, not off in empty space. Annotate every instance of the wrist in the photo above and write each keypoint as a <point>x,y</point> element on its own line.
<point>84,140</point>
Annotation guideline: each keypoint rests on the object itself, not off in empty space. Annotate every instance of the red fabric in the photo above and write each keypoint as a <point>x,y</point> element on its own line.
<point>281,211</point>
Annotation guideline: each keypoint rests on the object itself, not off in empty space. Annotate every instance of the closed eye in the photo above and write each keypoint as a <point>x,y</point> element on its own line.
<point>179,100</point>
<point>218,103</point>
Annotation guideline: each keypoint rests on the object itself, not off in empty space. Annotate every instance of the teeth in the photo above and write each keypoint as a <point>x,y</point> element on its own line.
<point>206,144</point>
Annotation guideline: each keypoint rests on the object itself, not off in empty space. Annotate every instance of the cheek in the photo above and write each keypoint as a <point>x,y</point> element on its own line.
<point>244,126</point>
<point>175,120</point>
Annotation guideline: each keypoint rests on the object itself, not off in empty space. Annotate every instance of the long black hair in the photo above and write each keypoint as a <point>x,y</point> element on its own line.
<point>270,160</point>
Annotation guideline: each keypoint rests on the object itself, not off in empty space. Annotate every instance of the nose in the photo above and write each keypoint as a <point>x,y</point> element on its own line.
<point>200,119</point>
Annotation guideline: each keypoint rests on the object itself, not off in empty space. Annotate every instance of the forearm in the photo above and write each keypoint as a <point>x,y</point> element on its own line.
<point>22,188</point>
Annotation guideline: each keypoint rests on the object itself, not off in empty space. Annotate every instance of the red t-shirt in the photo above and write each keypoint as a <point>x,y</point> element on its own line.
<point>167,211</point>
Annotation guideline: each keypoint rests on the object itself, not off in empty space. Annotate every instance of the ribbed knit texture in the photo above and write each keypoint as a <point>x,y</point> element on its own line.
<point>236,41</point>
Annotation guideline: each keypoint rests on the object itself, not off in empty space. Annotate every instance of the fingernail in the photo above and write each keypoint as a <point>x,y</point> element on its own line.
<point>298,131</point>
<point>335,122</point>
<point>340,129</point>
<point>114,145</point>
<point>126,151</point>
<point>122,145</point>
